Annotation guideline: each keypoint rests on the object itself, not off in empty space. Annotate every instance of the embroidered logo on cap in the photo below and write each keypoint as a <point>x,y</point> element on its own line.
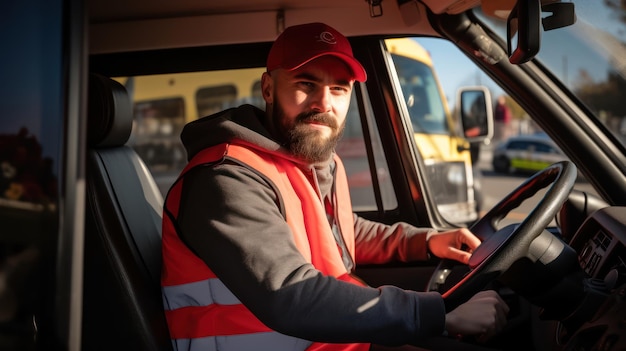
<point>327,37</point>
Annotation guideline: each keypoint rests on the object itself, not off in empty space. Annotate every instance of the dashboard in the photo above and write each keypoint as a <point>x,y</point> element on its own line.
<point>601,246</point>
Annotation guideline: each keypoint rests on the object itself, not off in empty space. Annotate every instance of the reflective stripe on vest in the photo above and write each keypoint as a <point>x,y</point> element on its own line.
<point>243,342</point>
<point>200,310</point>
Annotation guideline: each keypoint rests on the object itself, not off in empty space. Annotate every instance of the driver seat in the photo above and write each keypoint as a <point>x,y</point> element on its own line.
<point>122,301</point>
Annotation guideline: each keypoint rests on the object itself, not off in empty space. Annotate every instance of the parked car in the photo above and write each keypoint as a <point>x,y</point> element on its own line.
<point>526,153</point>
<point>80,213</point>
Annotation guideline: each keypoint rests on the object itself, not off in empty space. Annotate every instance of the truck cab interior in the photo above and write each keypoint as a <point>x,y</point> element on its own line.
<point>561,266</point>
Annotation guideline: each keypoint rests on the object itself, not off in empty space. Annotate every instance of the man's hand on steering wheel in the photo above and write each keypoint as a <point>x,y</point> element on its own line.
<point>450,244</point>
<point>484,315</point>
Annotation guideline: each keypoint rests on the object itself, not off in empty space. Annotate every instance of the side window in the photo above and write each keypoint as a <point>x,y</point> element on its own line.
<point>540,147</point>
<point>163,104</point>
<point>353,150</point>
<point>519,146</point>
<point>545,148</point>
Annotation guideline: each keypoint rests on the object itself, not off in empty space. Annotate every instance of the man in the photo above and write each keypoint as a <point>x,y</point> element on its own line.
<point>502,118</point>
<point>259,238</point>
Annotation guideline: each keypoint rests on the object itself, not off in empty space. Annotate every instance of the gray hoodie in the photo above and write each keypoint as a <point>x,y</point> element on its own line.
<point>230,216</point>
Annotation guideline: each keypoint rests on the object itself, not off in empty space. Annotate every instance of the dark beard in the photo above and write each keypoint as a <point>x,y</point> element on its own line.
<point>305,143</point>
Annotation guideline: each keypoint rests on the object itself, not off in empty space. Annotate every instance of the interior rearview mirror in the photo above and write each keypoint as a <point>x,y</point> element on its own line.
<point>524,31</point>
<point>525,23</point>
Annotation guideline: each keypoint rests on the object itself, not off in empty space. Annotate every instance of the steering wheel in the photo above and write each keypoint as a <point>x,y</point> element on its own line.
<point>500,248</point>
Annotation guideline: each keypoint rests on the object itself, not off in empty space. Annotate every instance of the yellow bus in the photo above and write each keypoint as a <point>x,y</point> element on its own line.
<point>164,103</point>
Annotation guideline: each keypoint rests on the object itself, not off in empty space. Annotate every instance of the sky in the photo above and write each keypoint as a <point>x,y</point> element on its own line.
<point>455,70</point>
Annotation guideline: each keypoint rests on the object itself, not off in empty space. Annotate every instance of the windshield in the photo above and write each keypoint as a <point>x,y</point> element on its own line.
<point>589,57</point>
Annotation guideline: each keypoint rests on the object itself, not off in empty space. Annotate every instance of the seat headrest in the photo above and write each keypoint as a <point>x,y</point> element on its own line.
<point>110,115</point>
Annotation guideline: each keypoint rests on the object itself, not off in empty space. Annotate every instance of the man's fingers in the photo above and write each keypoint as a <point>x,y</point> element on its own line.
<point>469,239</point>
<point>459,255</point>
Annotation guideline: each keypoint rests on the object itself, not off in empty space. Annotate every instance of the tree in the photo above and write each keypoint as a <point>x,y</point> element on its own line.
<point>607,96</point>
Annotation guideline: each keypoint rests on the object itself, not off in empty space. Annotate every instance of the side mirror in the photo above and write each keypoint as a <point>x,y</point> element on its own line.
<point>475,112</point>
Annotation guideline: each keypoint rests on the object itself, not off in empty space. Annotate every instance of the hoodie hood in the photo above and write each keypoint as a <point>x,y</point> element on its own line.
<point>244,123</point>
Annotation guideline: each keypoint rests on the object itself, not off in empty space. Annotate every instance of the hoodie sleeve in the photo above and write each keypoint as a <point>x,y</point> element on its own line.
<point>229,217</point>
<point>380,243</point>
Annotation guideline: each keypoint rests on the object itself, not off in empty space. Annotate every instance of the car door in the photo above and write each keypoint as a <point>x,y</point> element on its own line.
<point>549,154</point>
<point>536,156</point>
<point>521,152</point>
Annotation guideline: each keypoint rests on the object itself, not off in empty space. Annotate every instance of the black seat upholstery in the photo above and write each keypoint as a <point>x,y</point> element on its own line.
<point>122,296</point>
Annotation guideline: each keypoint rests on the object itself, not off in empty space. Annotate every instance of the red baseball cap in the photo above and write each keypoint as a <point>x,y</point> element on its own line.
<point>298,45</point>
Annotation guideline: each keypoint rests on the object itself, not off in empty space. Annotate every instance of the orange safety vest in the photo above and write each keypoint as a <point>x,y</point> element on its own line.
<point>201,312</point>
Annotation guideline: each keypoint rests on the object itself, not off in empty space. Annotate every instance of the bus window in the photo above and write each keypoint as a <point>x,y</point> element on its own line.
<point>156,128</point>
<point>213,99</point>
<point>423,98</point>
<point>257,95</point>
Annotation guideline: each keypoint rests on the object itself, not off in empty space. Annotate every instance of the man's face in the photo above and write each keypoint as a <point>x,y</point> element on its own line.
<point>307,106</point>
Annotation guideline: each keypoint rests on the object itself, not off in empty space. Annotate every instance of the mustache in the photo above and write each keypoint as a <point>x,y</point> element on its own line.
<point>321,118</point>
